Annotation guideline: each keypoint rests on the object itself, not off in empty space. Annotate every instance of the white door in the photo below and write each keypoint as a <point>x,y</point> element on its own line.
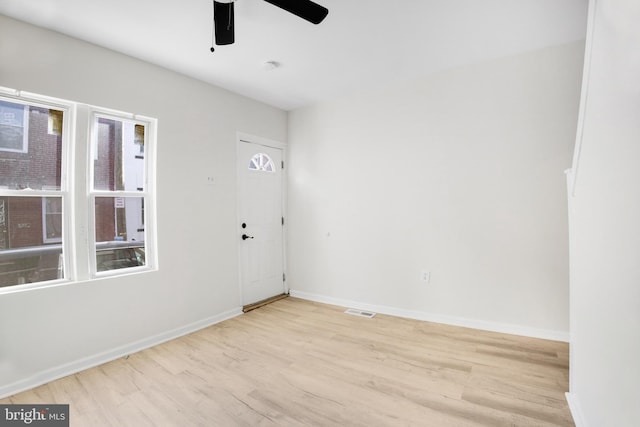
<point>260,221</point>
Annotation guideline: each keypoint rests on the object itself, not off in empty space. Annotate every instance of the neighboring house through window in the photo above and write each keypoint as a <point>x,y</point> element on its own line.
<point>14,122</point>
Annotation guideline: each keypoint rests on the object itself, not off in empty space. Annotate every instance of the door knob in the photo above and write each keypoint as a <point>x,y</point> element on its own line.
<point>245,237</point>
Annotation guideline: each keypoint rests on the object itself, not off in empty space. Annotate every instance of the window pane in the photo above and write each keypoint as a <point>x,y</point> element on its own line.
<point>24,256</point>
<point>120,232</point>
<point>119,155</point>
<point>262,162</point>
<point>52,211</point>
<point>30,147</point>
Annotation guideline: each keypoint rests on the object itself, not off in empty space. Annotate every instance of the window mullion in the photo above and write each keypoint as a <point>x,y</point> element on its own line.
<point>119,193</point>
<point>79,186</point>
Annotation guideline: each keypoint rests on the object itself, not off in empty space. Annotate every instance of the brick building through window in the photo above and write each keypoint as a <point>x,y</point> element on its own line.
<point>36,165</point>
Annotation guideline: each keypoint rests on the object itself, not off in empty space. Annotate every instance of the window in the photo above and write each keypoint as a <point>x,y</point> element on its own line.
<point>262,162</point>
<point>119,187</point>
<point>14,122</point>
<point>52,219</point>
<point>41,191</point>
<point>32,191</point>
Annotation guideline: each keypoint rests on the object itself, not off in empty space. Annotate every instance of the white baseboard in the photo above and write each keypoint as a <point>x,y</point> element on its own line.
<point>58,372</point>
<point>504,328</point>
<point>576,410</point>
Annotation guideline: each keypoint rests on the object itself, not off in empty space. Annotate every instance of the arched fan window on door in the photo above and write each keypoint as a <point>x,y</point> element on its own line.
<point>262,162</point>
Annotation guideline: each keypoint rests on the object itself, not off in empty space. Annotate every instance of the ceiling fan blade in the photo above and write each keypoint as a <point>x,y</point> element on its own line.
<point>305,9</point>
<point>223,22</point>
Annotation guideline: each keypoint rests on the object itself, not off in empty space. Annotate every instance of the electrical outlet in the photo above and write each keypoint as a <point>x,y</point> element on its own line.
<point>210,180</point>
<point>425,276</point>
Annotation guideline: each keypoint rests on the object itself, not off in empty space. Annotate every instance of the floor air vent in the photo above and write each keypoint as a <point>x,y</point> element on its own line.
<point>360,313</point>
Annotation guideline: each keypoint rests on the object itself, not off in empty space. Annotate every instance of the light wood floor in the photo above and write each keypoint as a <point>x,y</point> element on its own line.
<point>295,363</point>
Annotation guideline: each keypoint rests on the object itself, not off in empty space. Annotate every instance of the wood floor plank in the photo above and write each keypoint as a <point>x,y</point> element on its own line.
<point>300,363</point>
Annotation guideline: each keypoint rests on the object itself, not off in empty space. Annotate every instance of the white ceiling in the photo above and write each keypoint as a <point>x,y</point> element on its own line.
<point>361,43</point>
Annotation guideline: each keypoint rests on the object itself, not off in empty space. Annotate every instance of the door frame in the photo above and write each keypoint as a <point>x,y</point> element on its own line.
<point>242,137</point>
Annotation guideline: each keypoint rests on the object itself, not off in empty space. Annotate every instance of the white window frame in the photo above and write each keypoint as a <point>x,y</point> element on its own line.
<point>147,193</point>
<point>65,191</point>
<point>76,189</point>
<point>25,128</point>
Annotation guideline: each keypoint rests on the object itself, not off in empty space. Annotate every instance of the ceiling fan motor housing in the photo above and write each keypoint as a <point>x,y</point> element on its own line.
<point>223,22</point>
<point>223,15</point>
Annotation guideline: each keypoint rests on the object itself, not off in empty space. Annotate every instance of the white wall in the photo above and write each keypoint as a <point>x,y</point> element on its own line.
<point>48,332</point>
<point>461,174</point>
<point>605,225</point>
